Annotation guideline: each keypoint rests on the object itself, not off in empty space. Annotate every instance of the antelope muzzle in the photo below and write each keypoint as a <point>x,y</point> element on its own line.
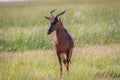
<point>50,30</point>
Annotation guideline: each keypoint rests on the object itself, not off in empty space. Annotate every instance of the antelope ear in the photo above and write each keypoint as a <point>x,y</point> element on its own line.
<point>48,18</point>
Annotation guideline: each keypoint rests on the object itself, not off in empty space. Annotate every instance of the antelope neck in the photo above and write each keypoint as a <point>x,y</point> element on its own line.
<point>61,34</point>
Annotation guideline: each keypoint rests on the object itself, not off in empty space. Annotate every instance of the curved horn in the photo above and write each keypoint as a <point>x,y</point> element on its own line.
<point>60,13</point>
<point>51,13</point>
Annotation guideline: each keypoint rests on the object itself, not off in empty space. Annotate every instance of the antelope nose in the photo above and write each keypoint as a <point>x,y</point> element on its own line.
<point>48,32</point>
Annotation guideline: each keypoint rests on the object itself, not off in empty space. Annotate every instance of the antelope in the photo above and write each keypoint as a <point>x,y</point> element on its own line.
<point>63,42</point>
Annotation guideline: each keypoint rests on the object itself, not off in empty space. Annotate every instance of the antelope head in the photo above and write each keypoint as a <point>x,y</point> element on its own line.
<point>54,21</point>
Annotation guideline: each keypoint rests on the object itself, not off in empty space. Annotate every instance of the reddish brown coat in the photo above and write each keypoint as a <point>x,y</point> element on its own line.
<point>63,42</point>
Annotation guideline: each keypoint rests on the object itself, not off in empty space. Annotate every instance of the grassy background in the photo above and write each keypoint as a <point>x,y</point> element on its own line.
<point>26,52</point>
<point>22,24</point>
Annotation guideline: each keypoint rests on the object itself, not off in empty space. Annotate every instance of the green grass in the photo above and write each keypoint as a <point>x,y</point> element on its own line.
<point>23,41</point>
<point>88,63</point>
<point>92,22</point>
<point>26,51</point>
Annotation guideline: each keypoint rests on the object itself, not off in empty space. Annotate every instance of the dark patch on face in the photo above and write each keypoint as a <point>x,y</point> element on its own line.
<point>53,21</point>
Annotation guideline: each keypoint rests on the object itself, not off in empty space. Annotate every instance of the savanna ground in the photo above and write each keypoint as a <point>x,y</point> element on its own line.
<point>26,52</point>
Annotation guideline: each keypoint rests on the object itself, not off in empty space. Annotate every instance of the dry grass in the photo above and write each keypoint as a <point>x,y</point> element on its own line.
<point>93,24</point>
<point>43,64</point>
<point>102,50</point>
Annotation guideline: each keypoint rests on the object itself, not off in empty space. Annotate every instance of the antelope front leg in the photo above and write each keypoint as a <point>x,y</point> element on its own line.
<point>60,70</point>
<point>60,64</point>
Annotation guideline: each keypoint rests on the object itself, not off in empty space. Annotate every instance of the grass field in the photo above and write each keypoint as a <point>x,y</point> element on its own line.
<point>27,53</point>
<point>88,63</point>
<point>23,26</point>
